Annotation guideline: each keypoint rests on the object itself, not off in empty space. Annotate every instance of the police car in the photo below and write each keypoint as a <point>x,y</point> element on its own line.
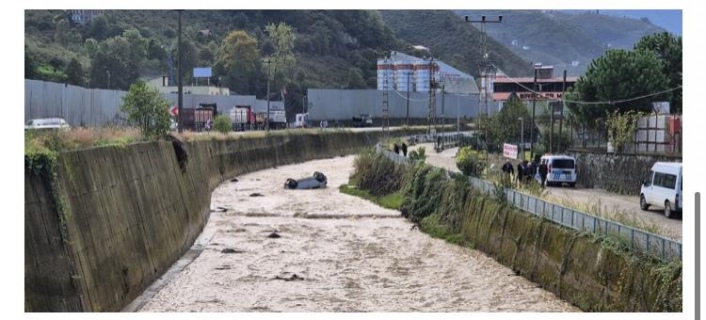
<point>560,169</point>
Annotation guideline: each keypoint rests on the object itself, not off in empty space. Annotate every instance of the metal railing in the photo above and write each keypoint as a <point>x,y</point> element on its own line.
<point>636,239</point>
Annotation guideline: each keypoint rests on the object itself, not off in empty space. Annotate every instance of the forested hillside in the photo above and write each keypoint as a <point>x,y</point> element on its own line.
<point>296,49</point>
<point>566,40</point>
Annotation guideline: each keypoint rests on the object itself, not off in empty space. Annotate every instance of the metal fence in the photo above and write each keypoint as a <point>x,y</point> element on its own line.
<point>639,240</point>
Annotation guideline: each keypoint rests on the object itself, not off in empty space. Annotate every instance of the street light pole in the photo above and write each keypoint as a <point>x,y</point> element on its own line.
<point>458,117</point>
<point>180,84</point>
<point>522,137</point>
<point>108,71</point>
<point>534,104</point>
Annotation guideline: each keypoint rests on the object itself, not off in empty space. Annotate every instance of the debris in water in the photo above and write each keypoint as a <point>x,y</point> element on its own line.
<point>223,267</point>
<point>219,209</point>
<point>256,194</point>
<point>288,276</point>
<point>231,250</point>
<point>274,235</point>
<point>234,180</point>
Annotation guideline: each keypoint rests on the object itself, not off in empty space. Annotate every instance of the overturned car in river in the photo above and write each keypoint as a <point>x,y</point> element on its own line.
<point>316,181</point>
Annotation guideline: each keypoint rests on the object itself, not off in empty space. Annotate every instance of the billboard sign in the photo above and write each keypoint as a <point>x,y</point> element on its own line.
<point>509,151</point>
<point>203,72</point>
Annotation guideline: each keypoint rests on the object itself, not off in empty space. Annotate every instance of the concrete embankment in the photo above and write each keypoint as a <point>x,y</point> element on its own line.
<point>591,272</point>
<point>102,224</point>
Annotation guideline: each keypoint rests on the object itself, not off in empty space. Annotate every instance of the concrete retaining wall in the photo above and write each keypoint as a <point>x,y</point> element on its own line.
<point>102,224</point>
<point>594,274</point>
<point>615,173</point>
<point>585,272</point>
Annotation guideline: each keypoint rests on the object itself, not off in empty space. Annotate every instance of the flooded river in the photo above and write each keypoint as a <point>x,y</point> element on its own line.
<point>270,249</point>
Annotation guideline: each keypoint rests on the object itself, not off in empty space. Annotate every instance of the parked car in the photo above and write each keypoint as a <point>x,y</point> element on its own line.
<point>561,169</point>
<point>663,188</point>
<point>47,123</point>
<point>316,181</point>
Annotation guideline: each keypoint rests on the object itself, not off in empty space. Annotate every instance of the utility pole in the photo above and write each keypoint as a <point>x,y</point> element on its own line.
<point>408,90</point>
<point>267,117</point>
<point>385,103</point>
<point>484,67</point>
<point>561,119</point>
<point>180,99</point>
<point>431,118</point>
<point>443,94</point>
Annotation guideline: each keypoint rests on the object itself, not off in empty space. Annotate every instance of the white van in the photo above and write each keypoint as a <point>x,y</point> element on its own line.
<point>663,188</point>
<point>47,123</point>
<point>560,169</point>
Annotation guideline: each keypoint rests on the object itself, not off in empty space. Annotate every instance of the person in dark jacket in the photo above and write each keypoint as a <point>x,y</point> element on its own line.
<point>507,167</point>
<point>531,171</point>
<point>526,176</point>
<point>543,171</point>
<point>397,149</point>
<point>404,149</point>
<point>520,172</point>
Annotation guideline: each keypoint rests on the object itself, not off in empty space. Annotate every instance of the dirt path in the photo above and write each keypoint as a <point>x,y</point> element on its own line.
<point>347,254</point>
<point>609,202</point>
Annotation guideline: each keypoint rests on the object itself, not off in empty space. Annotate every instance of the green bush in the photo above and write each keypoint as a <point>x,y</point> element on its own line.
<point>418,155</point>
<point>425,193</point>
<point>470,162</point>
<point>147,109</point>
<point>222,124</point>
<point>376,173</point>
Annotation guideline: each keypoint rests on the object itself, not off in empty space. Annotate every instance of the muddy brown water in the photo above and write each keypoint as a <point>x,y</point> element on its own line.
<point>335,253</point>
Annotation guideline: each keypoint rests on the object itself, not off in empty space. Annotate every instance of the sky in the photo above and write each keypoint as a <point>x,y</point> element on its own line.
<point>670,20</point>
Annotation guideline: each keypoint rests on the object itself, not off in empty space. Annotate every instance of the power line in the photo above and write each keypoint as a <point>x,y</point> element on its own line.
<point>589,102</point>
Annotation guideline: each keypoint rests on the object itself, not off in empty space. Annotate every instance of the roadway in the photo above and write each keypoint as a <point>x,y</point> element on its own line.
<point>611,206</point>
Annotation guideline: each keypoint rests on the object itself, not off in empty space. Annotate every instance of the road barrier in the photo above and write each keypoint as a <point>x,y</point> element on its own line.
<point>638,240</point>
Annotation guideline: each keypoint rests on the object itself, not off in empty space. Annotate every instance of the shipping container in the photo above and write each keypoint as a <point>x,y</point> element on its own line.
<point>242,118</point>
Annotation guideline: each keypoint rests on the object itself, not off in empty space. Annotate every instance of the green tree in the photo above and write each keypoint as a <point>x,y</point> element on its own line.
<point>146,109</point>
<point>111,67</point>
<point>355,79</point>
<point>137,46</point>
<point>208,54</point>
<point>74,73</point>
<point>621,80</point>
<point>61,35</point>
<point>622,127</point>
<point>222,124</point>
<point>30,65</point>
<point>283,38</point>
<point>560,143</point>
<point>118,61</point>
<point>90,46</point>
<point>239,59</point>
<point>669,49</point>
<point>470,162</point>
<point>505,126</point>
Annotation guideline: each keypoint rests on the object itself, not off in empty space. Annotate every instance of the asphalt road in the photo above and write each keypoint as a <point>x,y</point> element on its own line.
<point>611,206</point>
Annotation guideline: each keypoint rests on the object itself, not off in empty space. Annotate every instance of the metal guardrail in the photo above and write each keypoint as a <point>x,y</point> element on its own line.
<point>645,242</point>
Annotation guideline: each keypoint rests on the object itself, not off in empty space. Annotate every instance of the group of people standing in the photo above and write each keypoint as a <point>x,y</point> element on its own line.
<point>526,171</point>
<point>403,149</point>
